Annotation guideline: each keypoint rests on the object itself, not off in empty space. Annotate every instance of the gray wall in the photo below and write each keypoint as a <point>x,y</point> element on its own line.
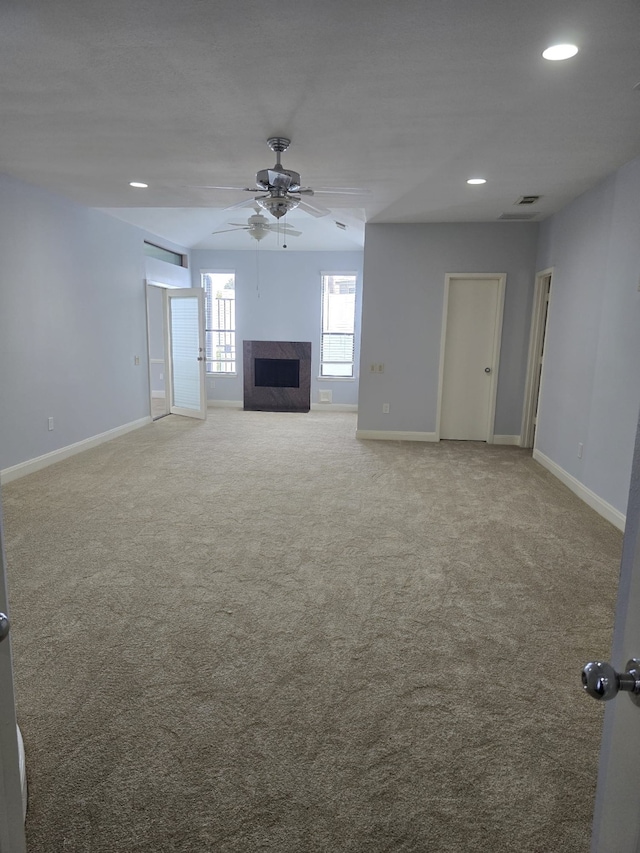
<point>72,319</point>
<point>278,297</point>
<point>591,384</point>
<point>404,278</point>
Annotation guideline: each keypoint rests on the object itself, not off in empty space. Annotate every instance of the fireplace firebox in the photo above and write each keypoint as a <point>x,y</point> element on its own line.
<point>277,376</point>
<point>277,372</point>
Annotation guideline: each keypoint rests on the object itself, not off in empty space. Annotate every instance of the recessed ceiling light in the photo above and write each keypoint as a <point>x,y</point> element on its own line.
<point>138,185</point>
<point>560,51</point>
<point>477,181</point>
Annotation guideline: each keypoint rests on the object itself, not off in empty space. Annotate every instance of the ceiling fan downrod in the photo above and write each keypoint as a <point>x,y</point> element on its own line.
<point>278,144</point>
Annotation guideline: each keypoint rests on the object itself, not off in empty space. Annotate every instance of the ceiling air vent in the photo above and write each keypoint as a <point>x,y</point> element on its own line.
<point>517,217</point>
<point>528,199</point>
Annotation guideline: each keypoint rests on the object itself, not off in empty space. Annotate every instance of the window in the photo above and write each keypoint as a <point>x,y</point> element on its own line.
<point>220,321</point>
<point>338,325</point>
<point>166,255</point>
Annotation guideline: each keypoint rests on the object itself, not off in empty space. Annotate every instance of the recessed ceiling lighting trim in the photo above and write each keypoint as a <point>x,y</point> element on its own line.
<point>138,185</point>
<point>558,52</point>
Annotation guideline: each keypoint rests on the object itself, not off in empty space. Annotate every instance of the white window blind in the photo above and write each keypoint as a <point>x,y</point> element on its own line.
<point>184,350</point>
<point>337,345</point>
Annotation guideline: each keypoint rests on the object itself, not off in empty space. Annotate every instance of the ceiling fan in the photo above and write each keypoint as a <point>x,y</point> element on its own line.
<point>258,227</point>
<point>283,187</point>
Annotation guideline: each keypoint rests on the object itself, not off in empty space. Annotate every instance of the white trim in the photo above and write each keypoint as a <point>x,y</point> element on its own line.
<point>497,340</point>
<point>32,465</point>
<point>156,361</point>
<point>395,435</point>
<point>536,337</point>
<point>334,407</point>
<point>158,395</point>
<point>153,283</point>
<point>225,404</point>
<point>507,439</point>
<point>594,501</point>
<point>315,407</point>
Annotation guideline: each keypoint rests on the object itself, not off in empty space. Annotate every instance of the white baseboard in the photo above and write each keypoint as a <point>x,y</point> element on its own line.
<point>225,404</point>
<point>334,407</point>
<point>315,407</point>
<point>601,506</point>
<point>395,435</point>
<point>507,439</point>
<point>32,465</point>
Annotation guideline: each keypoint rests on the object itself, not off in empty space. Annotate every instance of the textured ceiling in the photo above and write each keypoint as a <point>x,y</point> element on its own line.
<point>404,99</point>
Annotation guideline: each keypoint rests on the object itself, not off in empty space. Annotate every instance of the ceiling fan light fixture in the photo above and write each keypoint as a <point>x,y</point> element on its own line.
<point>556,52</point>
<point>278,206</point>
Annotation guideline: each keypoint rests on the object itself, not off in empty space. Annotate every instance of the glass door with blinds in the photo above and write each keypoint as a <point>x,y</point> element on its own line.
<point>187,351</point>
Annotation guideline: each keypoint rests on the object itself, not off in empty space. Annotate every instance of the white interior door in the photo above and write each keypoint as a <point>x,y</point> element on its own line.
<point>187,352</point>
<point>472,326</point>
<point>12,838</point>
<point>616,826</point>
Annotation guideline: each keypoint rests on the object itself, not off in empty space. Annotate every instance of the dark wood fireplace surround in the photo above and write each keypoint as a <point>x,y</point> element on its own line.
<point>275,398</point>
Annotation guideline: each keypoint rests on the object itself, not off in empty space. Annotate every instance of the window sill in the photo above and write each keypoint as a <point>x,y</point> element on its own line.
<point>336,378</point>
<point>220,375</point>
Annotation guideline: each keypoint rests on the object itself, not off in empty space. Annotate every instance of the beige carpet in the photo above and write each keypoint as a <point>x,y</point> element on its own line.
<point>257,633</point>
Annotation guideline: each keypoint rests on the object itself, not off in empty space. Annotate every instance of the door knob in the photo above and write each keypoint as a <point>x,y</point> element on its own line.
<point>4,626</point>
<point>601,681</point>
<point>487,370</point>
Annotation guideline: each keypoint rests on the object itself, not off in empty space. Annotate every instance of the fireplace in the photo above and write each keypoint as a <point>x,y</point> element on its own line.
<point>277,376</point>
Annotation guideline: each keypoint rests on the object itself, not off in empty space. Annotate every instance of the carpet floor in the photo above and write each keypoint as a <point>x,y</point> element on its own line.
<point>259,633</point>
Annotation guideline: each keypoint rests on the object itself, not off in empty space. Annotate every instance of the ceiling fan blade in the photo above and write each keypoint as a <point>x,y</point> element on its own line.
<point>227,230</point>
<point>247,202</point>
<point>313,209</point>
<point>342,191</point>
<point>286,230</point>
<point>212,187</point>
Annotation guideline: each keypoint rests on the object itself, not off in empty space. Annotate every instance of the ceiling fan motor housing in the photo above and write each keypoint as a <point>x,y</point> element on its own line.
<point>278,178</point>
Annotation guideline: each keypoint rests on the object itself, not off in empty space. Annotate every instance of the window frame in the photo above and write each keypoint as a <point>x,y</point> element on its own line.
<point>328,376</point>
<point>220,331</point>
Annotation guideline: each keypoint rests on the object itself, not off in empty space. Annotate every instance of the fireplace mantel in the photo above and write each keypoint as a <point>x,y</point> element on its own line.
<point>283,395</point>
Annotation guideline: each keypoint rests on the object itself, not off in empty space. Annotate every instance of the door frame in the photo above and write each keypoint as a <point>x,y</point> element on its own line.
<point>165,341</point>
<point>186,292</point>
<point>12,837</point>
<point>497,340</point>
<point>537,336</point>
